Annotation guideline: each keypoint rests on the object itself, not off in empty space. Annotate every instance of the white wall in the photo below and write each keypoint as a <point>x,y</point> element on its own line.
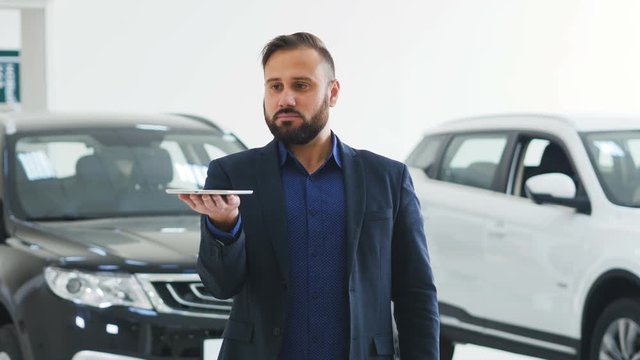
<point>9,29</point>
<point>403,65</point>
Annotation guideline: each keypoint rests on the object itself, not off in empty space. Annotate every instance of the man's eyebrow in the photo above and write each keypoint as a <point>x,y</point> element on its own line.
<point>296,78</point>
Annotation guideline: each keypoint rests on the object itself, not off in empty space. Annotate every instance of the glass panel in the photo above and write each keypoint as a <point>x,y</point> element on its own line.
<point>110,173</point>
<point>616,160</point>
<point>425,154</point>
<point>473,159</point>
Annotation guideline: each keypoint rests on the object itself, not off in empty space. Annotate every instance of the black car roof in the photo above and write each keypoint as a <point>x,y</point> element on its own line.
<point>18,122</point>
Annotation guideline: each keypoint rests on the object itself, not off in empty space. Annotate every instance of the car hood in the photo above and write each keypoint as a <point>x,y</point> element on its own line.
<point>163,243</point>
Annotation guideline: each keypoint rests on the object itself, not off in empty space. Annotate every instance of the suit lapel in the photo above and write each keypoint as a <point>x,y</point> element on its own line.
<point>355,195</point>
<point>272,204</point>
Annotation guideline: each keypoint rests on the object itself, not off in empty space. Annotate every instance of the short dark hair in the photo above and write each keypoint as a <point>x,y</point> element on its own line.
<point>295,41</point>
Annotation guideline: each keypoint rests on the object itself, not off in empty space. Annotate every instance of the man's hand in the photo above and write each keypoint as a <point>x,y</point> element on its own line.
<point>221,209</point>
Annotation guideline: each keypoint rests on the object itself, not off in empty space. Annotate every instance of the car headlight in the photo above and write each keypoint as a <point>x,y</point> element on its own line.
<point>97,289</point>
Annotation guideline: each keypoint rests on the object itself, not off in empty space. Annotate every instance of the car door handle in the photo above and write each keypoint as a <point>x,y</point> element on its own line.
<point>497,230</point>
<point>497,234</point>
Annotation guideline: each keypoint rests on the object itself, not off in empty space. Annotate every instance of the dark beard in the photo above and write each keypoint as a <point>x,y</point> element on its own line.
<point>303,134</point>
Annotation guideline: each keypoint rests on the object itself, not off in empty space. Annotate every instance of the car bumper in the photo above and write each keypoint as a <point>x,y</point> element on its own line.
<point>54,328</point>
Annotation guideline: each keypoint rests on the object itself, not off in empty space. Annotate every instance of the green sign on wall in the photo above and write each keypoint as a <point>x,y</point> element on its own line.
<point>9,77</point>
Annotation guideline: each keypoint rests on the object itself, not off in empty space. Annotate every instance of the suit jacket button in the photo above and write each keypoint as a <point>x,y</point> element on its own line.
<point>276,331</point>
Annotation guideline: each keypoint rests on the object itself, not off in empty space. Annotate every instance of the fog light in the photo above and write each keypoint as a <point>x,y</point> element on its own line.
<point>74,285</point>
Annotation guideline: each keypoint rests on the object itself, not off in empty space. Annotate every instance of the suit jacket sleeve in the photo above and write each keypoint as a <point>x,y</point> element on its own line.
<point>222,268</point>
<point>413,288</point>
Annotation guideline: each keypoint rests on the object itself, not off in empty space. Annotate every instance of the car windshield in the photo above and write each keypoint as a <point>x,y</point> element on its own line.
<point>616,158</point>
<point>99,173</point>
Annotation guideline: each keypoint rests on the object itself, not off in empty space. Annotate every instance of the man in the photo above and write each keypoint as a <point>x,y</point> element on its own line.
<point>329,238</point>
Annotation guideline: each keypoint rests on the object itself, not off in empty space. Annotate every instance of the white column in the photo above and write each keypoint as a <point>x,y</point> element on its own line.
<point>33,55</point>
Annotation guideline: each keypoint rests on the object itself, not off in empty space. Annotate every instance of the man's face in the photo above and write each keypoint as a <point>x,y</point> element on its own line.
<point>298,93</point>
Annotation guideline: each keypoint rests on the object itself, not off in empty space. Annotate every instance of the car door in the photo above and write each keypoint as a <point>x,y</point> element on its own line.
<point>453,192</point>
<point>527,277</point>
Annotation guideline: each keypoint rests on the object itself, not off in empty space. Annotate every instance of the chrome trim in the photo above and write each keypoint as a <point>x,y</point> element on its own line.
<point>147,280</point>
<point>194,289</point>
<point>455,322</point>
<point>170,277</point>
<point>184,302</point>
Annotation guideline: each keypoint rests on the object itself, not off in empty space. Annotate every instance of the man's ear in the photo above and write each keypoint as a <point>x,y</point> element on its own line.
<point>334,92</point>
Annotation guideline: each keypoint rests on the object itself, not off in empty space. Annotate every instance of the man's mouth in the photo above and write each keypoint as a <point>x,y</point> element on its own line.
<point>287,118</point>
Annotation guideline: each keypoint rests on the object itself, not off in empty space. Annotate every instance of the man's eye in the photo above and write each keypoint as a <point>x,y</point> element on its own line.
<point>302,86</point>
<point>276,87</point>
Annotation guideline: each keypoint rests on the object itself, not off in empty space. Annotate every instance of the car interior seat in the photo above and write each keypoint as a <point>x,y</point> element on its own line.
<point>97,185</point>
<point>152,172</point>
<point>480,174</point>
<point>553,160</point>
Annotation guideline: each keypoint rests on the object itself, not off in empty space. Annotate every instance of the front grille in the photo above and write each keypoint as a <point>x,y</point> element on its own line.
<point>183,294</point>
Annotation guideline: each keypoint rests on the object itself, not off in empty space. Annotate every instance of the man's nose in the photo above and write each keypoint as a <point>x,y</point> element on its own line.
<point>287,99</point>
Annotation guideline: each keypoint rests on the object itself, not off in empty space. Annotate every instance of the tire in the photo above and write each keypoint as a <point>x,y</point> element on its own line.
<point>446,348</point>
<point>616,334</point>
<point>9,345</point>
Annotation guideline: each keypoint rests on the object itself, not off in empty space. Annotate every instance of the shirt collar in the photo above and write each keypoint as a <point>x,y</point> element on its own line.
<point>283,152</point>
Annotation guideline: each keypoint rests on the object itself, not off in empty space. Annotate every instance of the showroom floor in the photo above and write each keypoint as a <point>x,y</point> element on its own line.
<point>472,352</point>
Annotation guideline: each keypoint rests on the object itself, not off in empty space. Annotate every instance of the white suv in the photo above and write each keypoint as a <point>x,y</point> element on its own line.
<point>533,223</point>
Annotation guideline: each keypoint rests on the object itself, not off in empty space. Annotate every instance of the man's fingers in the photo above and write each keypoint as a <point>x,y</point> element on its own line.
<point>217,200</point>
<point>214,202</point>
<point>185,198</point>
<point>233,201</point>
<point>197,200</point>
<point>215,206</point>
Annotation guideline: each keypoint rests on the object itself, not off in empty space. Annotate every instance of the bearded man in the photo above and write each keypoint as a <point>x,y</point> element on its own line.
<point>329,239</point>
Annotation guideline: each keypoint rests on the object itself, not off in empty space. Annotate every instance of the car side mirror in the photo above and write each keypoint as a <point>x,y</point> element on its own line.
<point>556,188</point>
<point>555,184</point>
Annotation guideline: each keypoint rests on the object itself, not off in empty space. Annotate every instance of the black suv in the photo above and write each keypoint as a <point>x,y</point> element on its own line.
<point>96,261</point>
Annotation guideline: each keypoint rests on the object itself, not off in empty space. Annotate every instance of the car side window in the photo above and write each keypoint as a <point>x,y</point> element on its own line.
<point>540,156</point>
<point>473,159</point>
<point>426,154</point>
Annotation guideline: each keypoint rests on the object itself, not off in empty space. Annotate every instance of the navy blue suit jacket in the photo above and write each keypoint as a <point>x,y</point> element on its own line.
<point>387,259</point>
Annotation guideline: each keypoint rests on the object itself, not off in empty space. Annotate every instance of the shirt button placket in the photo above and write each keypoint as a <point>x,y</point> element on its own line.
<point>315,280</point>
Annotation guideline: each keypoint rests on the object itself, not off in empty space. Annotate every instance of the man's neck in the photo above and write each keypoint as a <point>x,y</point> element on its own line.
<point>313,154</point>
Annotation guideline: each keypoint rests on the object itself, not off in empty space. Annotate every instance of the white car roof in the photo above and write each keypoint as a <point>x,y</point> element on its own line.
<point>540,122</point>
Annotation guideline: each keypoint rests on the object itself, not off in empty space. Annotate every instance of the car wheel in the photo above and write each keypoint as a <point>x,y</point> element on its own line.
<point>616,335</point>
<point>446,349</point>
<point>9,346</point>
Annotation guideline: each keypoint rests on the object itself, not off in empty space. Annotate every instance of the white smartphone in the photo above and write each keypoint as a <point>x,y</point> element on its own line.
<point>209,192</point>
